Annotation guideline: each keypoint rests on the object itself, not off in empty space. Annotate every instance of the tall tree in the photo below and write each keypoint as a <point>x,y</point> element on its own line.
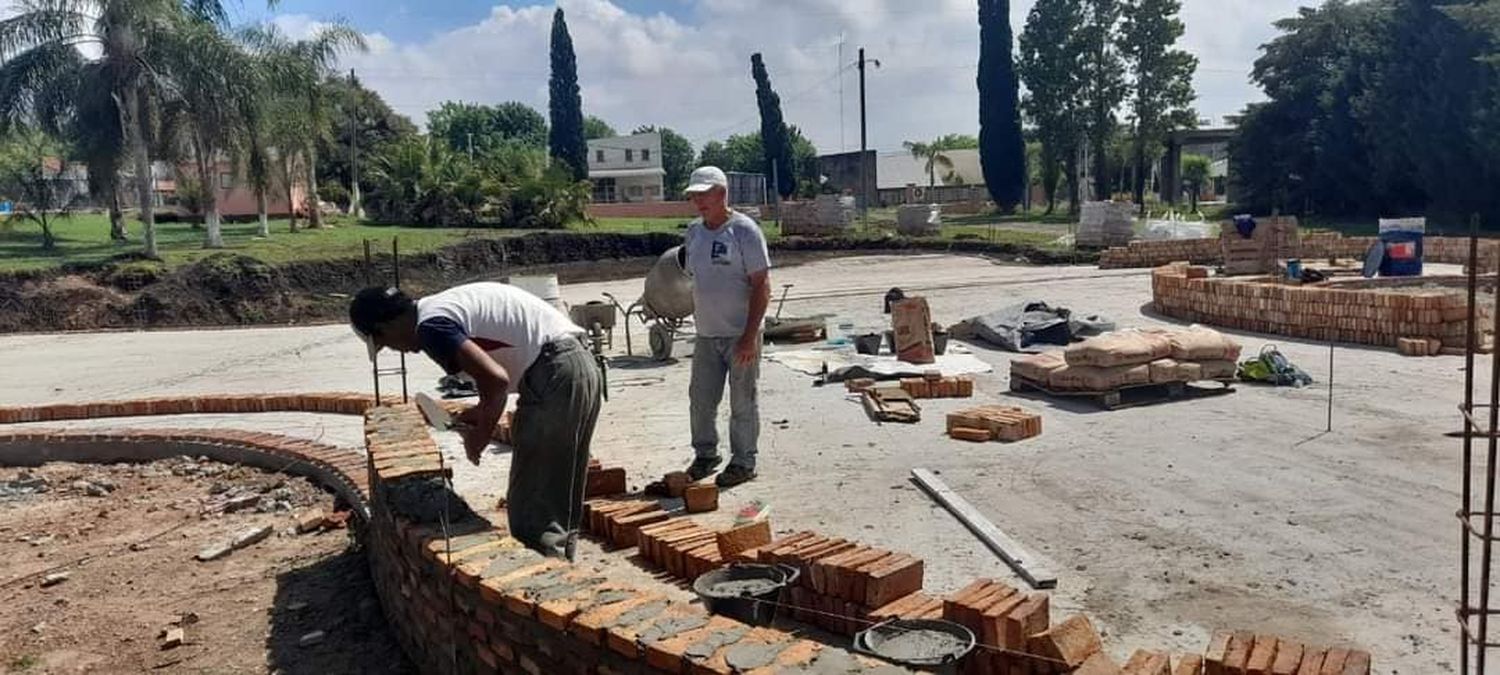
<point>1104,85</point>
<point>1002,150</point>
<point>1196,170</point>
<point>33,170</point>
<point>1050,65</point>
<point>775,140</point>
<point>594,128</point>
<point>676,157</point>
<point>565,103</point>
<point>716,153</point>
<point>1161,89</point>
<point>362,125</point>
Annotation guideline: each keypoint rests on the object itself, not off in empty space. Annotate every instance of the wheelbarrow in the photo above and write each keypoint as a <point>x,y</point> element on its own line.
<point>665,307</point>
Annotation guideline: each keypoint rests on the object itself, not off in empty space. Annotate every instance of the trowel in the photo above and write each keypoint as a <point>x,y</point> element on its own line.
<point>436,415</point>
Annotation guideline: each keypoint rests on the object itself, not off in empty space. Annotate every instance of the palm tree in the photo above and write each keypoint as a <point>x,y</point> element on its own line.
<point>1196,170</point>
<point>934,153</point>
<point>35,66</point>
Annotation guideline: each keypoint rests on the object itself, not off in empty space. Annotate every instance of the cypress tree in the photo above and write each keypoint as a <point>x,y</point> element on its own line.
<point>565,104</point>
<point>773,133</point>
<point>1002,150</point>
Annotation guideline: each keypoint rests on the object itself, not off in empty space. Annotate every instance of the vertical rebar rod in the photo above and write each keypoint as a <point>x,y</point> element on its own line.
<point>1330,389</point>
<point>1486,545</point>
<point>374,358</point>
<point>396,275</point>
<point>1469,326</point>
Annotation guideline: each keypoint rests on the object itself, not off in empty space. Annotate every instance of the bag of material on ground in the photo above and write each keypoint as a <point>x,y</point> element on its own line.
<point>912,322</point>
<point>1168,370</point>
<point>1090,378</point>
<point>1122,348</point>
<point>1032,322</point>
<point>1037,367</point>
<point>1202,344</point>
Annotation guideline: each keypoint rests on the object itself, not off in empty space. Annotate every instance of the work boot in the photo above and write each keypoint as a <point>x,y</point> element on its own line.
<point>733,475</point>
<point>702,467</point>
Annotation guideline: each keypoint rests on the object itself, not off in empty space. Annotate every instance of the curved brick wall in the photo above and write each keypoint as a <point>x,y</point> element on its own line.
<point>1449,250</point>
<point>463,597</point>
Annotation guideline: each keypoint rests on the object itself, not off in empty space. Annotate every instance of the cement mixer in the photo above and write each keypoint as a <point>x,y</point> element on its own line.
<point>665,306</point>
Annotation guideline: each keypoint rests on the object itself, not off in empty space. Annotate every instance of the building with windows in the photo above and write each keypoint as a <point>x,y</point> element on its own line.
<point>627,169</point>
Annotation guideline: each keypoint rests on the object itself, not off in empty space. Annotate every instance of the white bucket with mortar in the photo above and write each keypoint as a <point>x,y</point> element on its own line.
<point>543,286</point>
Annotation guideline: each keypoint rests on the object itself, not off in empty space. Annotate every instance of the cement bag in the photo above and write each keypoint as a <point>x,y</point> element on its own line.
<point>1164,371</point>
<point>1218,370</point>
<point>1089,378</point>
<point>1037,367</point>
<point>1202,344</point>
<point>1121,348</point>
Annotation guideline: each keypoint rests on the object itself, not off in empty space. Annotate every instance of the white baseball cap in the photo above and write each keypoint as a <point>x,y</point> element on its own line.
<point>705,178</point>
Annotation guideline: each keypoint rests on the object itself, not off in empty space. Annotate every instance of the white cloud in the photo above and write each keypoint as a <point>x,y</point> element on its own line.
<point>694,75</point>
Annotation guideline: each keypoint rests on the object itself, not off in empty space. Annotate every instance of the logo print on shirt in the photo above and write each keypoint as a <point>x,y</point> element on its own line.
<point>719,253</point>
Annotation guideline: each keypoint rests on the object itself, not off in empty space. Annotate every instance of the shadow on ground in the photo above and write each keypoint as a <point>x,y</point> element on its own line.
<point>335,595</point>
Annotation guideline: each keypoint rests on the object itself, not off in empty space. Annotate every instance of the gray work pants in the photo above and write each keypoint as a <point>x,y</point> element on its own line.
<point>713,362</point>
<point>554,424</point>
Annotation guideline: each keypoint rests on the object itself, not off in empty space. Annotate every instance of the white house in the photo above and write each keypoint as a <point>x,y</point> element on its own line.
<point>627,168</point>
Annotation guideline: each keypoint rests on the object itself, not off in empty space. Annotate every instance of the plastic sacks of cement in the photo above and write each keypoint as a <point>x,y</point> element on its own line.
<point>1121,348</point>
<point>1133,357</point>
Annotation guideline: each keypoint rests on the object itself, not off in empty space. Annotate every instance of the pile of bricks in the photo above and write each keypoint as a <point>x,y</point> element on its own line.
<point>680,546</point>
<point>840,583</point>
<point>999,616</point>
<point>1156,253</point>
<point>1273,239</point>
<point>994,423</point>
<point>1419,346</point>
<point>1249,653</point>
<point>618,521</point>
<point>934,385</point>
<point>1376,312</point>
<point>400,446</point>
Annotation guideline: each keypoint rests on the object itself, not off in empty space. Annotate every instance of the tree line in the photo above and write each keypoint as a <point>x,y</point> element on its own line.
<point>1082,62</point>
<point>1376,108</point>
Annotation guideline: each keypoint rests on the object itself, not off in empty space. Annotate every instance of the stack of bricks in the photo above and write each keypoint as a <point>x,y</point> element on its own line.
<point>1362,312</point>
<point>999,616</point>
<point>934,385</point>
<point>1242,652</point>
<point>994,423</point>
<point>400,446</point>
<point>1273,239</point>
<point>618,521</point>
<point>1419,346</point>
<point>680,546</point>
<point>1313,246</point>
<point>475,601</point>
<point>600,481</point>
<point>840,582</point>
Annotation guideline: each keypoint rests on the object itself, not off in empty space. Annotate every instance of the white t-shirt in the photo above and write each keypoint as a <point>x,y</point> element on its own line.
<point>509,324</point>
<point>721,261</point>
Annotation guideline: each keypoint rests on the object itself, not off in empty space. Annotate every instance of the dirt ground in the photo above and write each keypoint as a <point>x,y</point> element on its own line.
<point>126,536</point>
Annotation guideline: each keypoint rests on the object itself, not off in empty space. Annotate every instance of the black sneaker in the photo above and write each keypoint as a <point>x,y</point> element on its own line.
<point>703,467</point>
<point>733,475</point>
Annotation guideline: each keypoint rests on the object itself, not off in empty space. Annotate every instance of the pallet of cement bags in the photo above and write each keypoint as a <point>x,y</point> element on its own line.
<point>1145,365</point>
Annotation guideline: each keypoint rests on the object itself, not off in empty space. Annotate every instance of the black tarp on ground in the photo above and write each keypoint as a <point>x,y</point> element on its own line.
<point>1033,322</point>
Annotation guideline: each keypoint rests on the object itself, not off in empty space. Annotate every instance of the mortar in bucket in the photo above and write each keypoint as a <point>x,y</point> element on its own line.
<point>747,592</point>
<point>926,645</point>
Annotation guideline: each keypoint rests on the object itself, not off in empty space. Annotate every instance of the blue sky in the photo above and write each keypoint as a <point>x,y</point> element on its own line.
<point>685,63</point>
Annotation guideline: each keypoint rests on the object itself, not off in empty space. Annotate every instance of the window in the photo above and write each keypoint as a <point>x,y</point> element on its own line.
<point>646,155</point>
<point>629,155</point>
<point>599,156</point>
<point>226,181</point>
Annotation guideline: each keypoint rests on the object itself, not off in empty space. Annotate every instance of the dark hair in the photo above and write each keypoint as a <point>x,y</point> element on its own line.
<point>376,305</point>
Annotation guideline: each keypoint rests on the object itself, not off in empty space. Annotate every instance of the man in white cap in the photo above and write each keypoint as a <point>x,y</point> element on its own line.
<point>506,340</point>
<point>727,258</point>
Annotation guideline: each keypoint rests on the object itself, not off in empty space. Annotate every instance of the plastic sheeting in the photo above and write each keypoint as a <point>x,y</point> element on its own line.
<point>1035,322</point>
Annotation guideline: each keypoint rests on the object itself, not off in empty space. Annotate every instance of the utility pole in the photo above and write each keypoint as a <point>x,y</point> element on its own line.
<point>864,144</point>
<point>356,206</point>
<point>471,146</point>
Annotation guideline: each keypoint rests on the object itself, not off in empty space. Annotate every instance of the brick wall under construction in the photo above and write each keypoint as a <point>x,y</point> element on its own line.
<point>1373,312</point>
<point>1312,246</point>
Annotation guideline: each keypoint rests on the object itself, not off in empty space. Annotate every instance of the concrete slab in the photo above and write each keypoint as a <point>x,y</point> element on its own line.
<point>1166,522</point>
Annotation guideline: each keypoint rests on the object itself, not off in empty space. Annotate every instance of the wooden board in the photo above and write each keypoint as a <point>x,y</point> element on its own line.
<point>1143,394</point>
<point>1026,564</point>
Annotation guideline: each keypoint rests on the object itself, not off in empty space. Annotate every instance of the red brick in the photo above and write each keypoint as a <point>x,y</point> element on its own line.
<point>822,575</point>
<point>900,575</point>
<point>1358,663</point>
<point>1217,652</point>
<point>622,531</point>
<point>1333,663</point>
<point>1098,664</point>
<point>1028,618</point>
<point>971,435</point>
<point>800,653</point>
<point>1073,641</point>
<point>666,655</point>
<point>854,576</point>
<point>1238,658</point>
<point>1191,664</point>
<point>717,663</point>
<point>1262,656</point>
<point>1312,662</point>
<point>736,540</point>
<point>675,483</point>
<point>605,482</point>
<point>590,625</point>
<point>701,498</point>
<point>901,608</point>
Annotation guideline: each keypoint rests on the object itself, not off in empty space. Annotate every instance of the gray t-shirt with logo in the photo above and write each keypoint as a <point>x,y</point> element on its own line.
<point>721,261</point>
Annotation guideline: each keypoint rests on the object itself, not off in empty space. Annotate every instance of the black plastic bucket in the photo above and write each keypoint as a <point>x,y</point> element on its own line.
<point>927,645</point>
<point>746,592</point>
<point>868,343</point>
